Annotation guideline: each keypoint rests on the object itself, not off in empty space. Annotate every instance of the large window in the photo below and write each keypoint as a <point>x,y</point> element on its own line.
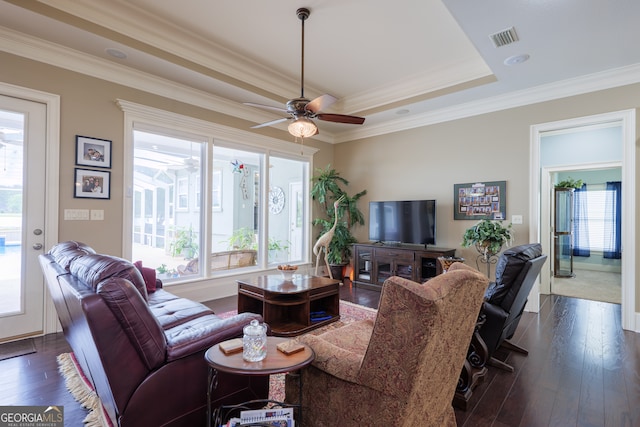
<point>164,239</point>
<point>257,201</point>
<point>286,207</point>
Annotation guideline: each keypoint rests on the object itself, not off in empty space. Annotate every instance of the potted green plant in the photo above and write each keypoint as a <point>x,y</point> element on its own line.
<point>488,237</point>
<point>245,238</point>
<point>242,238</point>
<point>185,243</point>
<point>327,187</point>
<point>277,249</point>
<point>569,183</point>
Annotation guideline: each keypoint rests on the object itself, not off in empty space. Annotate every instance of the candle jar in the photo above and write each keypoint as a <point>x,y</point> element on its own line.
<point>254,342</point>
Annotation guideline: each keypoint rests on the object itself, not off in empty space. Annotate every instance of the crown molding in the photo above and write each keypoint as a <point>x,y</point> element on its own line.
<point>427,82</point>
<point>39,50</point>
<point>562,89</point>
<point>171,42</point>
<point>163,36</point>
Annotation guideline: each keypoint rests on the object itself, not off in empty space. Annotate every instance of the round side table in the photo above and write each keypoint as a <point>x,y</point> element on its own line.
<point>276,362</point>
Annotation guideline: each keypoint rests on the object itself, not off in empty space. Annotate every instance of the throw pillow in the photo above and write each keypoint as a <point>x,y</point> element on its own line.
<point>149,276</point>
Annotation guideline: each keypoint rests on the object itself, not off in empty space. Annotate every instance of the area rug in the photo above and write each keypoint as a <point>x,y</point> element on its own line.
<point>349,312</point>
<point>83,392</point>
<point>17,348</point>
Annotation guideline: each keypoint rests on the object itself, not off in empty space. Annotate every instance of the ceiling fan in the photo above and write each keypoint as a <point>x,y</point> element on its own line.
<point>302,110</point>
<point>190,164</point>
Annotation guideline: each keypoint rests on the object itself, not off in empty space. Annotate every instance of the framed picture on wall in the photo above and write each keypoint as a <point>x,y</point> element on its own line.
<point>92,184</point>
<point>480,200</point>
<point>93,152</point>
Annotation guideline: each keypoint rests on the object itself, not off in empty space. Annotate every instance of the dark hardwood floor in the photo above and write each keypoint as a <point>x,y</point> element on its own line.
<point>582,370</point>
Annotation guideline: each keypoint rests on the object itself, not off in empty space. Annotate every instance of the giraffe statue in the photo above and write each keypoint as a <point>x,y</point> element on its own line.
<point>324,240</point>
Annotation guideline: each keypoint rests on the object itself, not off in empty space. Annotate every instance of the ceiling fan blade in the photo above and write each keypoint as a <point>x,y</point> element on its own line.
<point>266,107</point>
<point>320,103</point>
<point>341,118</point>
<point>272,122</point>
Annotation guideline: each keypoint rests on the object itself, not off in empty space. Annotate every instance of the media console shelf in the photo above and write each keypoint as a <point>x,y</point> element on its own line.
<point>374,263</point>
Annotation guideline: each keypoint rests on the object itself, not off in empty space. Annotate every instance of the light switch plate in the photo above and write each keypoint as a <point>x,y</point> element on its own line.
<point>97,214</point>
<point>76,214</point>
<point>516,219</point>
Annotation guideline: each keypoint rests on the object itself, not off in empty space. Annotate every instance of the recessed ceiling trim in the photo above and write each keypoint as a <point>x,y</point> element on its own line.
<point>428,82</point>
<point>548,92</point>
<point>19,44</point>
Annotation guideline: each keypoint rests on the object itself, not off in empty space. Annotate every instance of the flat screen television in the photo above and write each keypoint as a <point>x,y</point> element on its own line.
<point>408,221</point>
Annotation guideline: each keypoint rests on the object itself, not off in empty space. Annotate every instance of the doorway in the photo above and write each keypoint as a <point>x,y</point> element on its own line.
<point>582,157</point>
<point>594,252</point>
<point>29,142</point>
<point>22,148</point>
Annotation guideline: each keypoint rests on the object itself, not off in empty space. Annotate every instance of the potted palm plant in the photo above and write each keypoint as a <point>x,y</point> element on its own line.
<point>327,187</point>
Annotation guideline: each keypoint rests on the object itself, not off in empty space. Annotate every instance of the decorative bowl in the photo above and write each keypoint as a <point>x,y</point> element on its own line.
<point>287,271</point>
<point>287,274</point>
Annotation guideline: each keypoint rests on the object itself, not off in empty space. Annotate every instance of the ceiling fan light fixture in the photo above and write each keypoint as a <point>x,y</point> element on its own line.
<point>303,128</point>
<point>303,110</point>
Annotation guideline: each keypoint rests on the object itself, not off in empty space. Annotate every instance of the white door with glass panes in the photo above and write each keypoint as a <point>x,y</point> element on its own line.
<point>22,216</point>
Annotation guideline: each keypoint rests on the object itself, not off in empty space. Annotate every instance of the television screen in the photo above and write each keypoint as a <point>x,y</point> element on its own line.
<point>410,221</point>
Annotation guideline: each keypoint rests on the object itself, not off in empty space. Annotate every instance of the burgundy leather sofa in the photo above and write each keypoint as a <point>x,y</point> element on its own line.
<point>143,350</point>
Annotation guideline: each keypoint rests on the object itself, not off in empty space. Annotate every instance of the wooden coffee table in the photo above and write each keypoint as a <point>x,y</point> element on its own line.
<point>293,307</point>
<point>276,362</point>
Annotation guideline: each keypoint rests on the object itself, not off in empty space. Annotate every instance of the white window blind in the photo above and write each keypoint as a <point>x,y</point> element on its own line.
<point>596,197</point>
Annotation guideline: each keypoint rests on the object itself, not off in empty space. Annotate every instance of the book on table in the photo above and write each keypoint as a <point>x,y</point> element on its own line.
<point>231,346</point>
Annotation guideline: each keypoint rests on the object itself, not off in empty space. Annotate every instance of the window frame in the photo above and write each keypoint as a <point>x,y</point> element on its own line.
<point>182,189</point>
<point>142,118</point>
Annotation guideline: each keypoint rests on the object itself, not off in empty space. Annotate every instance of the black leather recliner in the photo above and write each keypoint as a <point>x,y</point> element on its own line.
<point>516,272</point>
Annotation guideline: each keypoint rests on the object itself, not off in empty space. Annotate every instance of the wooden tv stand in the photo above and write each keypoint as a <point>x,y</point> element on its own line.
<point>374,263</point>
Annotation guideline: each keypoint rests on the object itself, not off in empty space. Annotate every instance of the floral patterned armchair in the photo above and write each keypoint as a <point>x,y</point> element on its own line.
<point>401,369</point>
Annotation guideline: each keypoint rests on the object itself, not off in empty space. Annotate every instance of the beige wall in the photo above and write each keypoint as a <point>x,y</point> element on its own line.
<point>420,163</point>
<point>88,108</point>
<point>426,162</point>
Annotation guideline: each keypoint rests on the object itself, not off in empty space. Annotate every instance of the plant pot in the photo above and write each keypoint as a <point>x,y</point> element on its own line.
<point>483,249</point>
<point>337,271</point>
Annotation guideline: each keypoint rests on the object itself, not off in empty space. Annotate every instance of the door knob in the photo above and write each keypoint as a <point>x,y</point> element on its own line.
<point>37,246</point>
<point>37,232</point>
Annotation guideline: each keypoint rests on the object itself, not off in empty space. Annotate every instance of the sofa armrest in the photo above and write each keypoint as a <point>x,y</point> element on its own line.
<point>336,361</point>
<point>201,333</point>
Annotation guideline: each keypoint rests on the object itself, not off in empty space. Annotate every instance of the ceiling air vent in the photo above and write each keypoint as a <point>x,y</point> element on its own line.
<point>504,37</point>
